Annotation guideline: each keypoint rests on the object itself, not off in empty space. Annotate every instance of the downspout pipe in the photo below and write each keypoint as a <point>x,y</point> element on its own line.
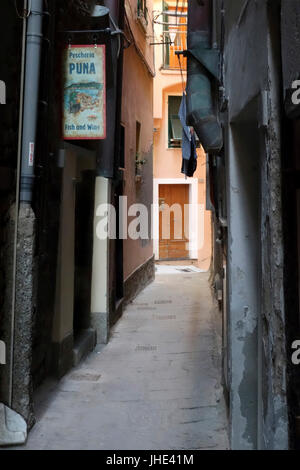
<point>202,72</point>
<point>107,147</point>
<point>34,40</point>
<point>18,435</point>
<point>121,22</point>
<point>113,7</point>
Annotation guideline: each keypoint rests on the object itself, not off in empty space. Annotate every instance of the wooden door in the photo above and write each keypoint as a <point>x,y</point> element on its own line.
<point>173,225</point>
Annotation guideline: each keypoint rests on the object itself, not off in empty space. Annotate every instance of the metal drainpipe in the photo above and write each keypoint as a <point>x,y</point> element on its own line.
<point>113,6</point>
<point>121,21</point>
<point>200,104</point>
<point>34,39</point>
<point>107,147</point>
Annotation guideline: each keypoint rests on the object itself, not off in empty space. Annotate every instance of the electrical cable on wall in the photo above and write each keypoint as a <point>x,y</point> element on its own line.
<point>26,11</point>
<point>181,74</point>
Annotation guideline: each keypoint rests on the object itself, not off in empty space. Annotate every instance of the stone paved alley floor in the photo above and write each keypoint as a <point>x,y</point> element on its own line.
<point>156,385</point>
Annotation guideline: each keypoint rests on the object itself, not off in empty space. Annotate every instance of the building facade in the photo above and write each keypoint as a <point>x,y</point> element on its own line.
<point>171,187</point>
<point>241,71</point>
<point>63,286</point>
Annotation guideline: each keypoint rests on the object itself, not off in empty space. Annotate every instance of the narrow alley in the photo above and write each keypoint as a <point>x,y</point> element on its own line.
<point>156,385</point>
<point>150,226</point>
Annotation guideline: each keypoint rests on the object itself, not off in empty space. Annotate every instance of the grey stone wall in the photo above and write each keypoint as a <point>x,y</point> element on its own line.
<point>25,310</point>
<point>7,257</point>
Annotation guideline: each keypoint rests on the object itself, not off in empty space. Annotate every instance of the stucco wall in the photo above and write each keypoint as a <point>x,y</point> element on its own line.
<point>142,32</point>
<point>138,106</point>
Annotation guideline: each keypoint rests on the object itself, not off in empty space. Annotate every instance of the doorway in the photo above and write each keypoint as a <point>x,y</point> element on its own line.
<point>84,220</point>
<point>185,246</point>
<point>72,335</point>
<point>173,224</point>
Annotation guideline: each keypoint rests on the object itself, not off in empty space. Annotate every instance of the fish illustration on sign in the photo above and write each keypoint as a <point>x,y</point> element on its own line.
<point>84,113</point>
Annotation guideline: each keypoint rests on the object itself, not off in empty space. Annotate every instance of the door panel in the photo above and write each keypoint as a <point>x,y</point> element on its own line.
<point>84,220</point>
<point>173,225</point>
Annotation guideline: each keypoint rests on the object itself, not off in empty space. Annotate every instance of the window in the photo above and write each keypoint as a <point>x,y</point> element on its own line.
<point>142,11</point>
<point>174,124</point>
<point>174,36</point>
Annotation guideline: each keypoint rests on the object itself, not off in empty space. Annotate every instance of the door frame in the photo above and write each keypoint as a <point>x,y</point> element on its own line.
<point>193,213</point>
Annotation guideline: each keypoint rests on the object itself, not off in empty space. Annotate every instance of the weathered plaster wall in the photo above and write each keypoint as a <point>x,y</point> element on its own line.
<point>141,32</point>
<point>252,78</point>
<point>245,52</point>
<point>290,44</point>
<point>274,351</point>
<point>243,282</point>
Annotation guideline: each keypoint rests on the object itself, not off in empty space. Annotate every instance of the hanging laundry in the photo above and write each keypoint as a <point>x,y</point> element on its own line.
<point>189,144</point>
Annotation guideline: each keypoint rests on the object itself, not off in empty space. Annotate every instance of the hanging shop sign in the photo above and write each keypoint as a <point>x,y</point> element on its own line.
<point>84,106</point>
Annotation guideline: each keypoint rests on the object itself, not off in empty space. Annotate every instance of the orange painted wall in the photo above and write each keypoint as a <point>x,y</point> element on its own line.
<point>138,106</point>
<point>167,162</point>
